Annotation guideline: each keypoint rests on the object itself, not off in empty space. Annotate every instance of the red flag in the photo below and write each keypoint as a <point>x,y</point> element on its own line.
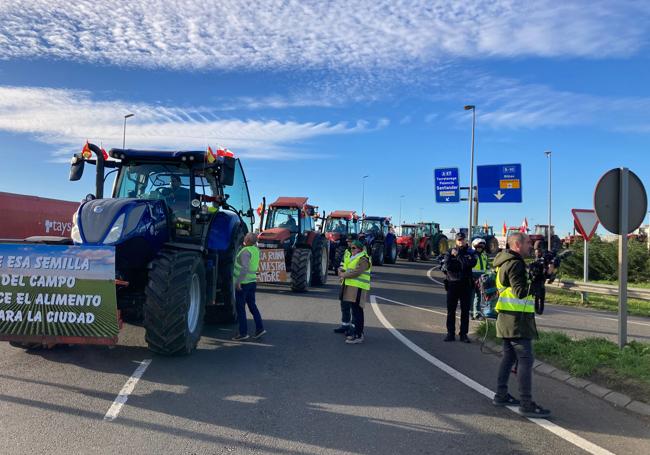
<point>505,229</point>
<point>228,153</point>
<point>104,154</point>
<point>259,209</point>
<point>525,224</point>
<point>86,152</point>
<point>221,152</point>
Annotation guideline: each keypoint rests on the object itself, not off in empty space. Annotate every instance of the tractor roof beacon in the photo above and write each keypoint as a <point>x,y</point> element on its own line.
<point>176,222</point>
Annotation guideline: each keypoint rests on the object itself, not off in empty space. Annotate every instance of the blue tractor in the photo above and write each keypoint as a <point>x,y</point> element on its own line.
<point>176,220</point>
<point>379,238</point>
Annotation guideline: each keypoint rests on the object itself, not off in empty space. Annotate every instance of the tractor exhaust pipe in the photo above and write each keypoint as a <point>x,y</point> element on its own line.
<point>262,214</point>
<point>99,176</point>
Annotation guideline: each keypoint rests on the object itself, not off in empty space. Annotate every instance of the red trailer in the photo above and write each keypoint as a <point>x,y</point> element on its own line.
<point>24,216</point>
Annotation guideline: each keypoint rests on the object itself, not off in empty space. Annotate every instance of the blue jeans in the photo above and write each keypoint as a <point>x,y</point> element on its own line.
<point>243,297</point>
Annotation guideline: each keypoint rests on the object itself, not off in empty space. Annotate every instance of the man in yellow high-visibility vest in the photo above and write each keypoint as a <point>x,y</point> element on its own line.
<point>245,275</point>
<point>481,267</point>
<point>355,285</point>
<point>516,326</point>
<point>346,327</point>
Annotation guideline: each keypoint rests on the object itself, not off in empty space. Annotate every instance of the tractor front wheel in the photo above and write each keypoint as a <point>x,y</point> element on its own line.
<point>301,270</point>
<point>175,304</point>
<point>338,258</point>
<point>319,262</point>
<point>377,254</point>
<point>391,258</point>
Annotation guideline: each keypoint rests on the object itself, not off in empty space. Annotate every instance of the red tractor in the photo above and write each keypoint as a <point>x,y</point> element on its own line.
<point>540,237</point>
<point>291,250</point>
<point>408,243</point>
<point>340,226</point>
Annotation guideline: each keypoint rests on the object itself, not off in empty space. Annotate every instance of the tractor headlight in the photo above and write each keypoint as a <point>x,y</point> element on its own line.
<point>75,235</point>
<point>116,231</point>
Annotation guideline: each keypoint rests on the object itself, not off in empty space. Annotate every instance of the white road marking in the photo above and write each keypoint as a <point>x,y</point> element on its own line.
<point>123,396</point>
<point>413,306</point>
<point>546,424</point>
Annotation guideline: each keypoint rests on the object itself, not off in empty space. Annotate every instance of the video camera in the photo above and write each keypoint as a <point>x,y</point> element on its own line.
<point>538,270</point>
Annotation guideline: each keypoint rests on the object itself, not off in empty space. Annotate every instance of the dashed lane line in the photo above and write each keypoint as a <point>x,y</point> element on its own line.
<point>123,396</point>
<point>546,424</point>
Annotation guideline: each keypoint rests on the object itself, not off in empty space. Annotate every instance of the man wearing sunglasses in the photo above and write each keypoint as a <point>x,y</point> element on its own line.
<point>355,285</point>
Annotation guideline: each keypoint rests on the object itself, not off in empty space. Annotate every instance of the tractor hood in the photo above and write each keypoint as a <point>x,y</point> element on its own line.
<point>405,240</point>
<point>274,235</point>
<point>111,221</point>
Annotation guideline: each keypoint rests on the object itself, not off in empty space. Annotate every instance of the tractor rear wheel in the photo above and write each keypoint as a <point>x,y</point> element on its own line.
<point>377,254</point>
<point>391,258</point>
<point>319,262</point>
<point>425,254</point>
<point>173,311</point>
<point>301,270</point>
<point>442,245</point>
<point>338,258</point>
<point>404,252</point>
<point>226,311</point>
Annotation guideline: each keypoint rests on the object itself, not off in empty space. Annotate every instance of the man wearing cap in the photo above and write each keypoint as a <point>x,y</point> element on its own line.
<point>478,270</point>
<point>459,284</point>
<point>355,285</point>
<point>346,326</point>
<point>245,276</point>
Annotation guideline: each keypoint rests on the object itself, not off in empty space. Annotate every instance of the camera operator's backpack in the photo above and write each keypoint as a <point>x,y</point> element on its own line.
<point>487,284</point>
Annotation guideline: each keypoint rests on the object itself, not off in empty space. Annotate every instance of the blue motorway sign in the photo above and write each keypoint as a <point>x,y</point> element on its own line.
<point>499,183</point>
<point>447,184</point>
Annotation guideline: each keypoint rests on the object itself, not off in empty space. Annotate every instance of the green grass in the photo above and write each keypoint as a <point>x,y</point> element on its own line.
<point>601,302</point>
<point>597,359</point>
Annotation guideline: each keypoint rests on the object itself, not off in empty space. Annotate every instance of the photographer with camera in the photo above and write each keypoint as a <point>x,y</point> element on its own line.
<point>459,284</point>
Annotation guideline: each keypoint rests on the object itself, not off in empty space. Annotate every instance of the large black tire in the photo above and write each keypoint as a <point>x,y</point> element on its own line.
<point>556,243</point>
<point>319,263</point>
<point>403,252</point>
<point>301,270</point>
<point>338,258</point>
<point>225,312</point>
<point>492,246</point>
<point>425,254</point>
<point>391,256</point>
<point>442,245</point>
<point>175,305</point>
<point>377,254</point>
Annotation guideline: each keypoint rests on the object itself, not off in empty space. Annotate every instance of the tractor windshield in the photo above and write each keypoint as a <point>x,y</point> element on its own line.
<point>409,230</point>
<point>168,182</point>
<point>341,225</point>
<point>371,226</point>
<point>286,218</point>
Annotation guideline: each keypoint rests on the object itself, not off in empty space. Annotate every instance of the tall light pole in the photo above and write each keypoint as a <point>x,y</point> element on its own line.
<point>363,193</point>
<point>470,199</point>
<point>124,130</point>
<point>399,220</point>
<point>548,154</point>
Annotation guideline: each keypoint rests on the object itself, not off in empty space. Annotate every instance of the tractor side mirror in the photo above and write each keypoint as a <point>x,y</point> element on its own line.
<point>249,213</point>
<point>228,171</point>
<point>76,167</point>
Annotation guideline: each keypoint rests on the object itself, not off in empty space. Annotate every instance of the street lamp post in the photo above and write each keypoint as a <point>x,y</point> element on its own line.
<point>124,130</point>
<point>363,193</point>
<point>548,154</point>
<point>399,220</point>
<point>470,199</point>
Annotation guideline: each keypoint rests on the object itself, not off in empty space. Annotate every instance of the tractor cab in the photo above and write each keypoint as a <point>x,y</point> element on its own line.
<point>340,227</point>
<point>288,218</point>
<point>379,238</point>
<point>542,229</point>
<point>482,231</point>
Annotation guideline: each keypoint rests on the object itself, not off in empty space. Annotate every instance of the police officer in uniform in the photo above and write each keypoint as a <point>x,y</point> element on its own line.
<point>459,284</point>
<point>516,326</point>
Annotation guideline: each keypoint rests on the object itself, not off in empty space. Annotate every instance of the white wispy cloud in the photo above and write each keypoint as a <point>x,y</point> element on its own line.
<point>64,119</point>
<point>267,34</point>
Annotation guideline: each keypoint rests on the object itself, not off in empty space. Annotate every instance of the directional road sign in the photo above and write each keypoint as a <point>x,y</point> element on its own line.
<point>499,183</point>
<point>447,184</point>
<point>586,222</point>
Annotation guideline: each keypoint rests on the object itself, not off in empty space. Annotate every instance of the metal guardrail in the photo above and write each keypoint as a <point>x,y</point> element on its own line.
<point>597,288</point>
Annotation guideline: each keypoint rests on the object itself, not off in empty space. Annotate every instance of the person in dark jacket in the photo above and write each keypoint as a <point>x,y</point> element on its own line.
<point>516,326</point>
<point>457,265</point>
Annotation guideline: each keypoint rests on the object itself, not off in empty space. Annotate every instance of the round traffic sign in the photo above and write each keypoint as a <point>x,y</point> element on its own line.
<point>607,201</point>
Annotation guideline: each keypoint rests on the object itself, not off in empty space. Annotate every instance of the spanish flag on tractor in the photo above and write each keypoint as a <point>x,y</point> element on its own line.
<point>210,157</point>
<point>86,152</point>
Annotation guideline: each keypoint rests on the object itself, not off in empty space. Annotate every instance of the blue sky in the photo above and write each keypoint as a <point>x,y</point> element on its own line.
<point>314,95</point>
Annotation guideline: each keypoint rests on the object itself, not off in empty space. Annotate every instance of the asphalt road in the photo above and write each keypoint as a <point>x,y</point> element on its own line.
<point>301,390</point>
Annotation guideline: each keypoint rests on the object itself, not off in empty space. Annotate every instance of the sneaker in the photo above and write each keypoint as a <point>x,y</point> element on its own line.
<point>259,334</point>
<point>533,410</point>
<point>357,339</point>
<point>464,339</point>
<point>449,337</point>
<point>508,400</point>
<point>239,337</point>
<point>342,329</point>
<point>350,336</point>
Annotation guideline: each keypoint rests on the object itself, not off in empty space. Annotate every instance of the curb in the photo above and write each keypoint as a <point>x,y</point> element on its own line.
<point>616,399</point>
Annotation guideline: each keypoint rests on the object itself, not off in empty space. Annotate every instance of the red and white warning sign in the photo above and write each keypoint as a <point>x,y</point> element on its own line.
<point>586,222</point>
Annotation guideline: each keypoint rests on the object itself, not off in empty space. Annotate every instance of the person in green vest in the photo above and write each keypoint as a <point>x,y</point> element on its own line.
<point>355,285</point>
<point>481,267</point>
<point>516,326</point>
<point>245,275</point>
<point>346,326</point>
